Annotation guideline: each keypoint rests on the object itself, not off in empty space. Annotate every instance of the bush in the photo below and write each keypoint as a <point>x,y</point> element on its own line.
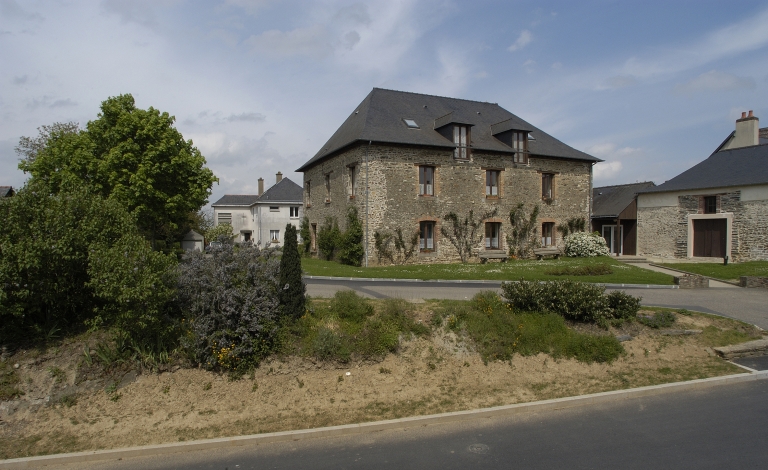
<point>231,305</point>
<point>306,236</point>
<point>329,238</point>
<point>583,244</point>
<point>499,333</point>
<point>658,320</point>
<point>347,305</point>
<point>573,300</point>
<point>351,251</point>
<point>292,287</point>
<point>586,270</point>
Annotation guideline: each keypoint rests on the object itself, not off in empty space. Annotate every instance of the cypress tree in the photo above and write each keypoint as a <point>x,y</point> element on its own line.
<point>292,288</point>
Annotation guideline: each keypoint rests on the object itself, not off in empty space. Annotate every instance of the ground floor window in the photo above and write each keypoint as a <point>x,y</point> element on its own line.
<point>246,236</point>
<point>547,234</point>
<point>274,235</point>
<point>492,235</point>
<point>427,236</point>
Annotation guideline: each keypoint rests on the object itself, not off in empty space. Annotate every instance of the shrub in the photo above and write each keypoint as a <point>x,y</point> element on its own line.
<point>306,235</point>
<point>573,300</point>
<point>658,320</point>
<point>351,249</point>
<point>231,305</point>
<point>586,270</point>
<point>292,287</point>
<point>522,238</point>
<point>347,305</point>
<point>583,244</point>
<point>221,230</point>
<point>328,238</point>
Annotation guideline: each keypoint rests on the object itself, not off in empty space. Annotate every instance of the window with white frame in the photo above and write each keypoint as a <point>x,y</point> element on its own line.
<point>461,139</point>
<point>547,234</point>
<point>224,218</point>
<point>520,144</point>
<point>427,236</point>
<point>274,236</point>
<point>294,212</point>
<point>426,181</point>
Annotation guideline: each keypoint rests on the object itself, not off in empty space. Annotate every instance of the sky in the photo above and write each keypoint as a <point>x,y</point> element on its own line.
<point>650,87</point>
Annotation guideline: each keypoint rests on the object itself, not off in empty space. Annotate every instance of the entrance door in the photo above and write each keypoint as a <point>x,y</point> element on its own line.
<point>709,236</point>
<point>612,240</point>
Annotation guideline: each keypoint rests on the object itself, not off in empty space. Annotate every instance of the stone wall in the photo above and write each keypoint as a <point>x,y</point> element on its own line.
<point>753,281</point>
<point>663,231</point>
<point>394,201</point>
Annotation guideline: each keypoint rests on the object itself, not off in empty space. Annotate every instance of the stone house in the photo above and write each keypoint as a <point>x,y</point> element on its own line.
<point>405,160</point>
<point>6,191</point>
<point>261,218</point>
<point>614,216</point>
<point>717,209</point>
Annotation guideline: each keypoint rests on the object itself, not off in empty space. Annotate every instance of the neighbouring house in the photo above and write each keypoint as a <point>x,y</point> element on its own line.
<point>717,209</point>
<point>6,191</point>
<point>405,160</point>
<point>192,241</point>
<point>614,216</point>
<point>262,218</point>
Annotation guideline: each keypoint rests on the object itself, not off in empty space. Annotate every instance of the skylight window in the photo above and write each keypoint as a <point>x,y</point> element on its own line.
<point>411,123</point>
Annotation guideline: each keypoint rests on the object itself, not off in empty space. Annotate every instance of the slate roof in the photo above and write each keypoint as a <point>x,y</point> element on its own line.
<point>284,191</point>
<point>6,191</point>
<point>610,201</point>
<point>733,167</point>
<point>379,118</point>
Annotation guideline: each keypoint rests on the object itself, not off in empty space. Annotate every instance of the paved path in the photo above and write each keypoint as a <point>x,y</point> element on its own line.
<point>749,305</point>
<point>714,428</point>
<point>672,272</point>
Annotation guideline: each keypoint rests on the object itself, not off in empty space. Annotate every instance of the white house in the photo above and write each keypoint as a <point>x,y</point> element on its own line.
<point>261,218</point>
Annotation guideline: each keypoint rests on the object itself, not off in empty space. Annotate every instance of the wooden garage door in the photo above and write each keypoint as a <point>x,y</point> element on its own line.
<point>709,237</point>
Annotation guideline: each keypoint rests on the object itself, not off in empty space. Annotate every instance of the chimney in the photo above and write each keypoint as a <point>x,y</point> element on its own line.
<point>747,131</point>
<point>261,186</point>
<point>279,176</point>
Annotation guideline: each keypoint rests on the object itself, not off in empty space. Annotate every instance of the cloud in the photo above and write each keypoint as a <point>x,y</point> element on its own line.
<point>20,80</point>
<point>247,117</point>
<point>607,170</point>
<point>313,41</point>
<point>62,103</point>
<point>11,9</point>
<point>529,65</point>
<point>619,81</point>
<point>251,7</point>
<point>351,39</point>
<point>714,80</point>
<point>557,66</point>
<point>132,11</point>
<point>523,40</point>
<point>48,102</point>
<point>356,14</point>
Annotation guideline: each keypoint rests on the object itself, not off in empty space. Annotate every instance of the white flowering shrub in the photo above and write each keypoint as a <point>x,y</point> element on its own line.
<point>583,244</point>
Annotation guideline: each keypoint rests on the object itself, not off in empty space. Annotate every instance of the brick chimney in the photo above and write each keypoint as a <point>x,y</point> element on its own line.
<point>747,131</point>
<point>261,186</point>
<point>279,175</point>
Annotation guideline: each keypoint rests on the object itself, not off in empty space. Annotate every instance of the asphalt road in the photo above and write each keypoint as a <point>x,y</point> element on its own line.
<point>718,427</point>
<point>749,305</point>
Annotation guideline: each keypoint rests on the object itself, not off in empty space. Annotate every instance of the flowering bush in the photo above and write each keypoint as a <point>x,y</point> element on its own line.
<point>231,305</point>
<point>583,244</point>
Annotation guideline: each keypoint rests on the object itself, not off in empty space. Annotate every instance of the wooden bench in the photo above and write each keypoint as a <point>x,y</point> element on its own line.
<point>542,252</point>
<point>499,255</point>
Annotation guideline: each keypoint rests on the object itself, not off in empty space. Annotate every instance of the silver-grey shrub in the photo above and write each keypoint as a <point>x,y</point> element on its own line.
<point>231,305</point>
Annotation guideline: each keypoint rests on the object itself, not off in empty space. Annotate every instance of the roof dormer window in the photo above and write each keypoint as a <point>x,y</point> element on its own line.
<point>461,139</point>
<point>411,123</point>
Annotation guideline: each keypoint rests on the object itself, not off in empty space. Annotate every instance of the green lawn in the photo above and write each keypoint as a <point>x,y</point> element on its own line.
<point>718,271</point>
<point>510,271</point>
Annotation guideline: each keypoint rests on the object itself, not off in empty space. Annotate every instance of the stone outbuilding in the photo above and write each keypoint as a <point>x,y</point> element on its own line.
<point>261,218</point>
<point>614,216</point>
<point>405,160</point>
<point>192,241</point>
<point>715,210</point>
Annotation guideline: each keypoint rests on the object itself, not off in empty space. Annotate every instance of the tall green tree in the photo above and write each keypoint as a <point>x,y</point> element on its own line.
<point>292,288</point>
<point>131,155</point>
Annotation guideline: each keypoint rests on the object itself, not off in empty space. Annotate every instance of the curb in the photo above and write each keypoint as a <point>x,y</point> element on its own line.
<point>468,281</point>
<point>350,429</point>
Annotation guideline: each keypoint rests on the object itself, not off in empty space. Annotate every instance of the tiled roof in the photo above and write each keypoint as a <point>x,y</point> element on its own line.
<point>6,191</point>
<point>284,191</point>
<point>610,201</point>
<point>237,200</point>
<point>380,118</point>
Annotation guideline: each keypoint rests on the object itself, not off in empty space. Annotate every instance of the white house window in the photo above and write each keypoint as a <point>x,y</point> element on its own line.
<point>294,212</point>
<point>274,208</point>
<point>492,231</point>
<point>427,236</point>
<point>274,235</point>
<point>492,183</point>
<point>461,139</point>
<point>426,181</point>
<point>224,218</point>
